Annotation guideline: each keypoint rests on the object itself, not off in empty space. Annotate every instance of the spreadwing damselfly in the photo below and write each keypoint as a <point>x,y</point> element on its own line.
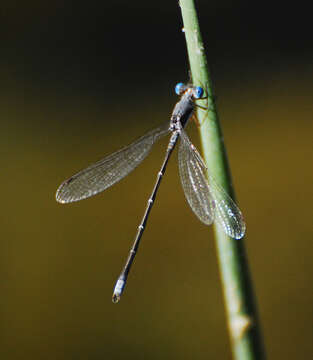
<point>206,198</point>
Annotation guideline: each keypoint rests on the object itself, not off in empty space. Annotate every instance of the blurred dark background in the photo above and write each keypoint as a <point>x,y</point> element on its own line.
<point>80,79</point>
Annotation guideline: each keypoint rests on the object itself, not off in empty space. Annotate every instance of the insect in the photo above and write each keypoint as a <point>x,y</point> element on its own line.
<point>206,198</point>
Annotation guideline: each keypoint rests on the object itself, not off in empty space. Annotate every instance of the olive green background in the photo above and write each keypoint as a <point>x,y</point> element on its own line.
<point>78,80</point>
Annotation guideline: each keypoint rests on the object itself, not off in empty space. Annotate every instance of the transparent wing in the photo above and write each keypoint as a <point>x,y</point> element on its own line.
<point>193,180</point>
<point>208,201</point>
<point>106,172</point>
<point>227,213</point>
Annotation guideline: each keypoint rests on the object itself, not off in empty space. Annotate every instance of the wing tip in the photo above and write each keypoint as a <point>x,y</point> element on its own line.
<point>58,197</point>
<point>238,234</point>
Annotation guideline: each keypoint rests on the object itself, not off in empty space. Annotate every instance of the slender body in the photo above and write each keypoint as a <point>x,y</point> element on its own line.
<point>181,114</point>
<point>207,200</point>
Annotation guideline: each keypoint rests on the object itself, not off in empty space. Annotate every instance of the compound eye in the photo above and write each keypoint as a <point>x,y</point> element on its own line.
<point>198,93</point>
<point>179,88</point>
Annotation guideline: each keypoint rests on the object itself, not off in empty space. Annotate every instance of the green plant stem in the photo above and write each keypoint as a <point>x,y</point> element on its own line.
<point>240,305</point>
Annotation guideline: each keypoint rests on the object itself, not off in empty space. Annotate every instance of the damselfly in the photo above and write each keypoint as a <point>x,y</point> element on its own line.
<point>206,198</point>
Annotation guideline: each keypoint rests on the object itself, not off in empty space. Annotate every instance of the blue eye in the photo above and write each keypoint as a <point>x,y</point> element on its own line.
<point>179,88</point>
<point>198,92</point>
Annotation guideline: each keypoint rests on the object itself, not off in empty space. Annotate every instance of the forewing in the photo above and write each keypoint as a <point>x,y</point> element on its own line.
<point>193,180</point>
<point>208,201</point>
<point>106,172</point>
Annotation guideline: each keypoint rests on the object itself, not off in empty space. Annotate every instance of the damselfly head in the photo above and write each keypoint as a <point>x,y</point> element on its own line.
<point>196,91</point>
